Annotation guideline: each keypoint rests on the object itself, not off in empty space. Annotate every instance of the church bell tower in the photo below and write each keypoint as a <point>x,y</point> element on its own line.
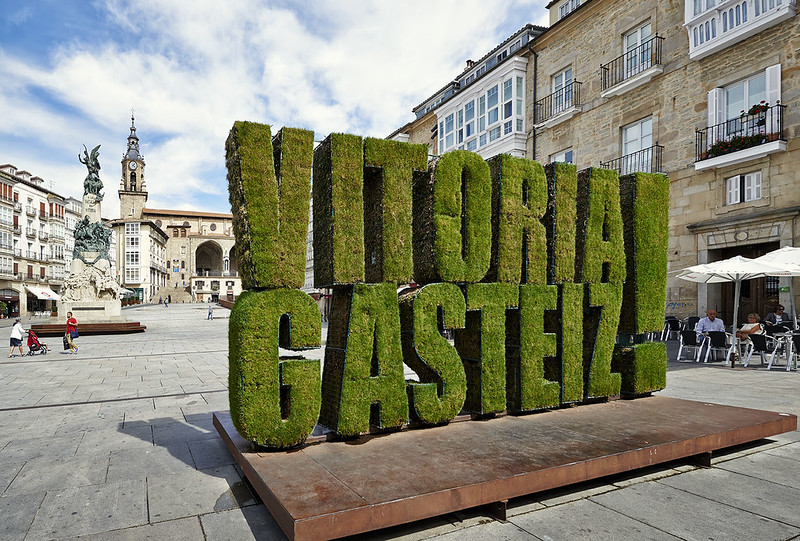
<point>132,189</point>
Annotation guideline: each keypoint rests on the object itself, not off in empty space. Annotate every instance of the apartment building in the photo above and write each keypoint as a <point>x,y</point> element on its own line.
<point>705,91</point>
<point>483,108</point>
<point>33,262</point>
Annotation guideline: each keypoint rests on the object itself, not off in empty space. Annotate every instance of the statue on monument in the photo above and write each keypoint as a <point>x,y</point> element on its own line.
<point>92,183</point>
<point>90,276</point>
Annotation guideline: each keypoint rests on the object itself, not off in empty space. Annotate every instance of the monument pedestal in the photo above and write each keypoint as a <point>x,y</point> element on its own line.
<point>334,489</point>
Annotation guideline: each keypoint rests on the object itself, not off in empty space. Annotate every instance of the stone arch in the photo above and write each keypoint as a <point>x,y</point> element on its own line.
<point>208,259</point>
<point>233,265</point>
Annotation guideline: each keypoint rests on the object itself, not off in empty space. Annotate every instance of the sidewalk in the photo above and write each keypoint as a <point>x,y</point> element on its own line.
<point>116,442</point>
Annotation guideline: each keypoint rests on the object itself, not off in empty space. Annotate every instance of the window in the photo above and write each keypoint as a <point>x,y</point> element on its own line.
<point>562,90</point>
<point>563,156</point>
<point>636,138</point>
<point>739,97</point>
<point>491,103</point>
<point>174,231</point>
<point>638,52</point>
<point>743,188</point>
<point>568,7</point>
<point>183,232</point>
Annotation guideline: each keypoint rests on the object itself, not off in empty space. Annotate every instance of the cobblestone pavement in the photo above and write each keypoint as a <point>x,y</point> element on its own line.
<point>116,442</point>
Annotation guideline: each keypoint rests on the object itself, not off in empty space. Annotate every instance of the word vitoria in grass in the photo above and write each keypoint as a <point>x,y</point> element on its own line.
<point>522,277</point>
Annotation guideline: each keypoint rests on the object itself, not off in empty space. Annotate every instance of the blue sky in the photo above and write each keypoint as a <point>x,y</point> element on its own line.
<point>71,70</point>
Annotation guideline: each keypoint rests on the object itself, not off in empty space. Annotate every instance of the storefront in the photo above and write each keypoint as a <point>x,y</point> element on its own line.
<point>41,300</point>
<point>11,298</point>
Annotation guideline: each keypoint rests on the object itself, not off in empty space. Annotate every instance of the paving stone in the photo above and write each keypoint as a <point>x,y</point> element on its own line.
<point>741,492</point>
<point>196,492</point>
<point>587,520</point>
<point>41,474</point>
<point>93,509</point>
<point>17,514</point>
<point>491,529</point>
<point>185,529</point>
<point>19,450</point>
<point>767,466</point>
<point>7,474</point>
<point>210,453</point>
<point>146,462</point>
<point>103,442</point>
<point>182,431</point>
<point>689,516</point>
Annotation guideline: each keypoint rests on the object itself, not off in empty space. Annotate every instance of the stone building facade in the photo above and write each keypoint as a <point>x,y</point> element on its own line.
<point>184,256</point>
<point>33,231</point>
<point>677,87</point>
<point>674,93</point>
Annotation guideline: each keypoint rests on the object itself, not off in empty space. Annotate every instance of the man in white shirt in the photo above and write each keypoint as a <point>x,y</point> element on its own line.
<point>709,323</point>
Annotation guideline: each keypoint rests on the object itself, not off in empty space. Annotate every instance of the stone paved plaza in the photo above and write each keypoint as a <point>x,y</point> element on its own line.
<point>116,442</point>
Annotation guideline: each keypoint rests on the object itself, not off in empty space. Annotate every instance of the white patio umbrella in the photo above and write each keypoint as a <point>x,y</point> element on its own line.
<point>734,270</point>
<point>788,259</point>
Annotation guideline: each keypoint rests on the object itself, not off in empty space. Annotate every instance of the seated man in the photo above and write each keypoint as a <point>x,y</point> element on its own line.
<point>777,318</point>
<point>709,323</point>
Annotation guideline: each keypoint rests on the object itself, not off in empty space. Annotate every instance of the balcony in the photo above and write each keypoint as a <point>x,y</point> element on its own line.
<point>6,225</point>
<point>30,211</point>
<point>30,232</point>
<point>634,68</point>
<point>43,235</point>
<point>643,161</point>
<point>17,230</point>
<point>17,206</point>
<point>559,106</point>
<point>6,248</point>
<point>56,218</point>
<point>732,21</point>
<point>43,214</point>
<point>749,137</point>
<point>17,252</point>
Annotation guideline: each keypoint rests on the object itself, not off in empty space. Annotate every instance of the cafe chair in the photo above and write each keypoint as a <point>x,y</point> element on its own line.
<point>718,341</point>
<point>761,344</point>
<point>672,328</point>
<point>691,323</point>
<point>689,340</point>
<point>795,352</point>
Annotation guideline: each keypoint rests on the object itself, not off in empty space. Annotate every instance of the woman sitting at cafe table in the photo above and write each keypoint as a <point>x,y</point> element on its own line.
<point>777,318</point>
<point>751,327</point>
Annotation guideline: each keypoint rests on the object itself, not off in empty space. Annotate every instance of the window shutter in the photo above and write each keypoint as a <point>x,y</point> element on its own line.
<point>716,106</point>
<point>773,76</point>
<point>732,189</point>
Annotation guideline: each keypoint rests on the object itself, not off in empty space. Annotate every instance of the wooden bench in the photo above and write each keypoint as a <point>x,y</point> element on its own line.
<point>58,329</point>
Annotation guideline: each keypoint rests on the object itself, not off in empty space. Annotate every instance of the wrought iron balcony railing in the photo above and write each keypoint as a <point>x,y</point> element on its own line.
<point>633,62</point>
<point>647,160</point>
<point>746,131</point>
<point>559,101</point>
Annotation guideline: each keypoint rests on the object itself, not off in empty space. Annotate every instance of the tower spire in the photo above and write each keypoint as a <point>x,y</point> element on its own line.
<point>132,152</point>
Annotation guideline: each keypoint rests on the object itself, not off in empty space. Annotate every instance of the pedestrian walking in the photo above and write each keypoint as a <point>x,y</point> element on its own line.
<point>210,312</point>
<point>17,332</point>
<point>72,333</point>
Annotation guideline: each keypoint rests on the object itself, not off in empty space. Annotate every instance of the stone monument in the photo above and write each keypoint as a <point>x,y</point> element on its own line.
<point>90,292</point>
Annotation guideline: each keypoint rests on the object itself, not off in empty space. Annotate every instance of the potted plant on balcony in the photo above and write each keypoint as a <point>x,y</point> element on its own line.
<point>759,111</point>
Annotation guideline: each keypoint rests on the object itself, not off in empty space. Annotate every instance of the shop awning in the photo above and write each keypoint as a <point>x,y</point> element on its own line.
<point>44,293</point>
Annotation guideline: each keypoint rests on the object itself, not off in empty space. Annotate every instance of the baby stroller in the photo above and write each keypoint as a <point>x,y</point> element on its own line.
<point>34,346</point>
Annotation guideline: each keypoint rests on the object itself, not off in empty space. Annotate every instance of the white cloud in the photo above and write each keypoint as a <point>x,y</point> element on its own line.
<point>191,70</point>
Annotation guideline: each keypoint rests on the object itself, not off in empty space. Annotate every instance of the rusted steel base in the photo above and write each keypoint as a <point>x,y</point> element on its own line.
<point>334,489</point>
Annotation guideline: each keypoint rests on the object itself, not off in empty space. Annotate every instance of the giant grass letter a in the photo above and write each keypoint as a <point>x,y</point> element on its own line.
<point>269,182</point>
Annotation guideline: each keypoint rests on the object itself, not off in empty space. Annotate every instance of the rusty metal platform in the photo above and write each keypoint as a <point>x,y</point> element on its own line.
<point>333,489</point>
